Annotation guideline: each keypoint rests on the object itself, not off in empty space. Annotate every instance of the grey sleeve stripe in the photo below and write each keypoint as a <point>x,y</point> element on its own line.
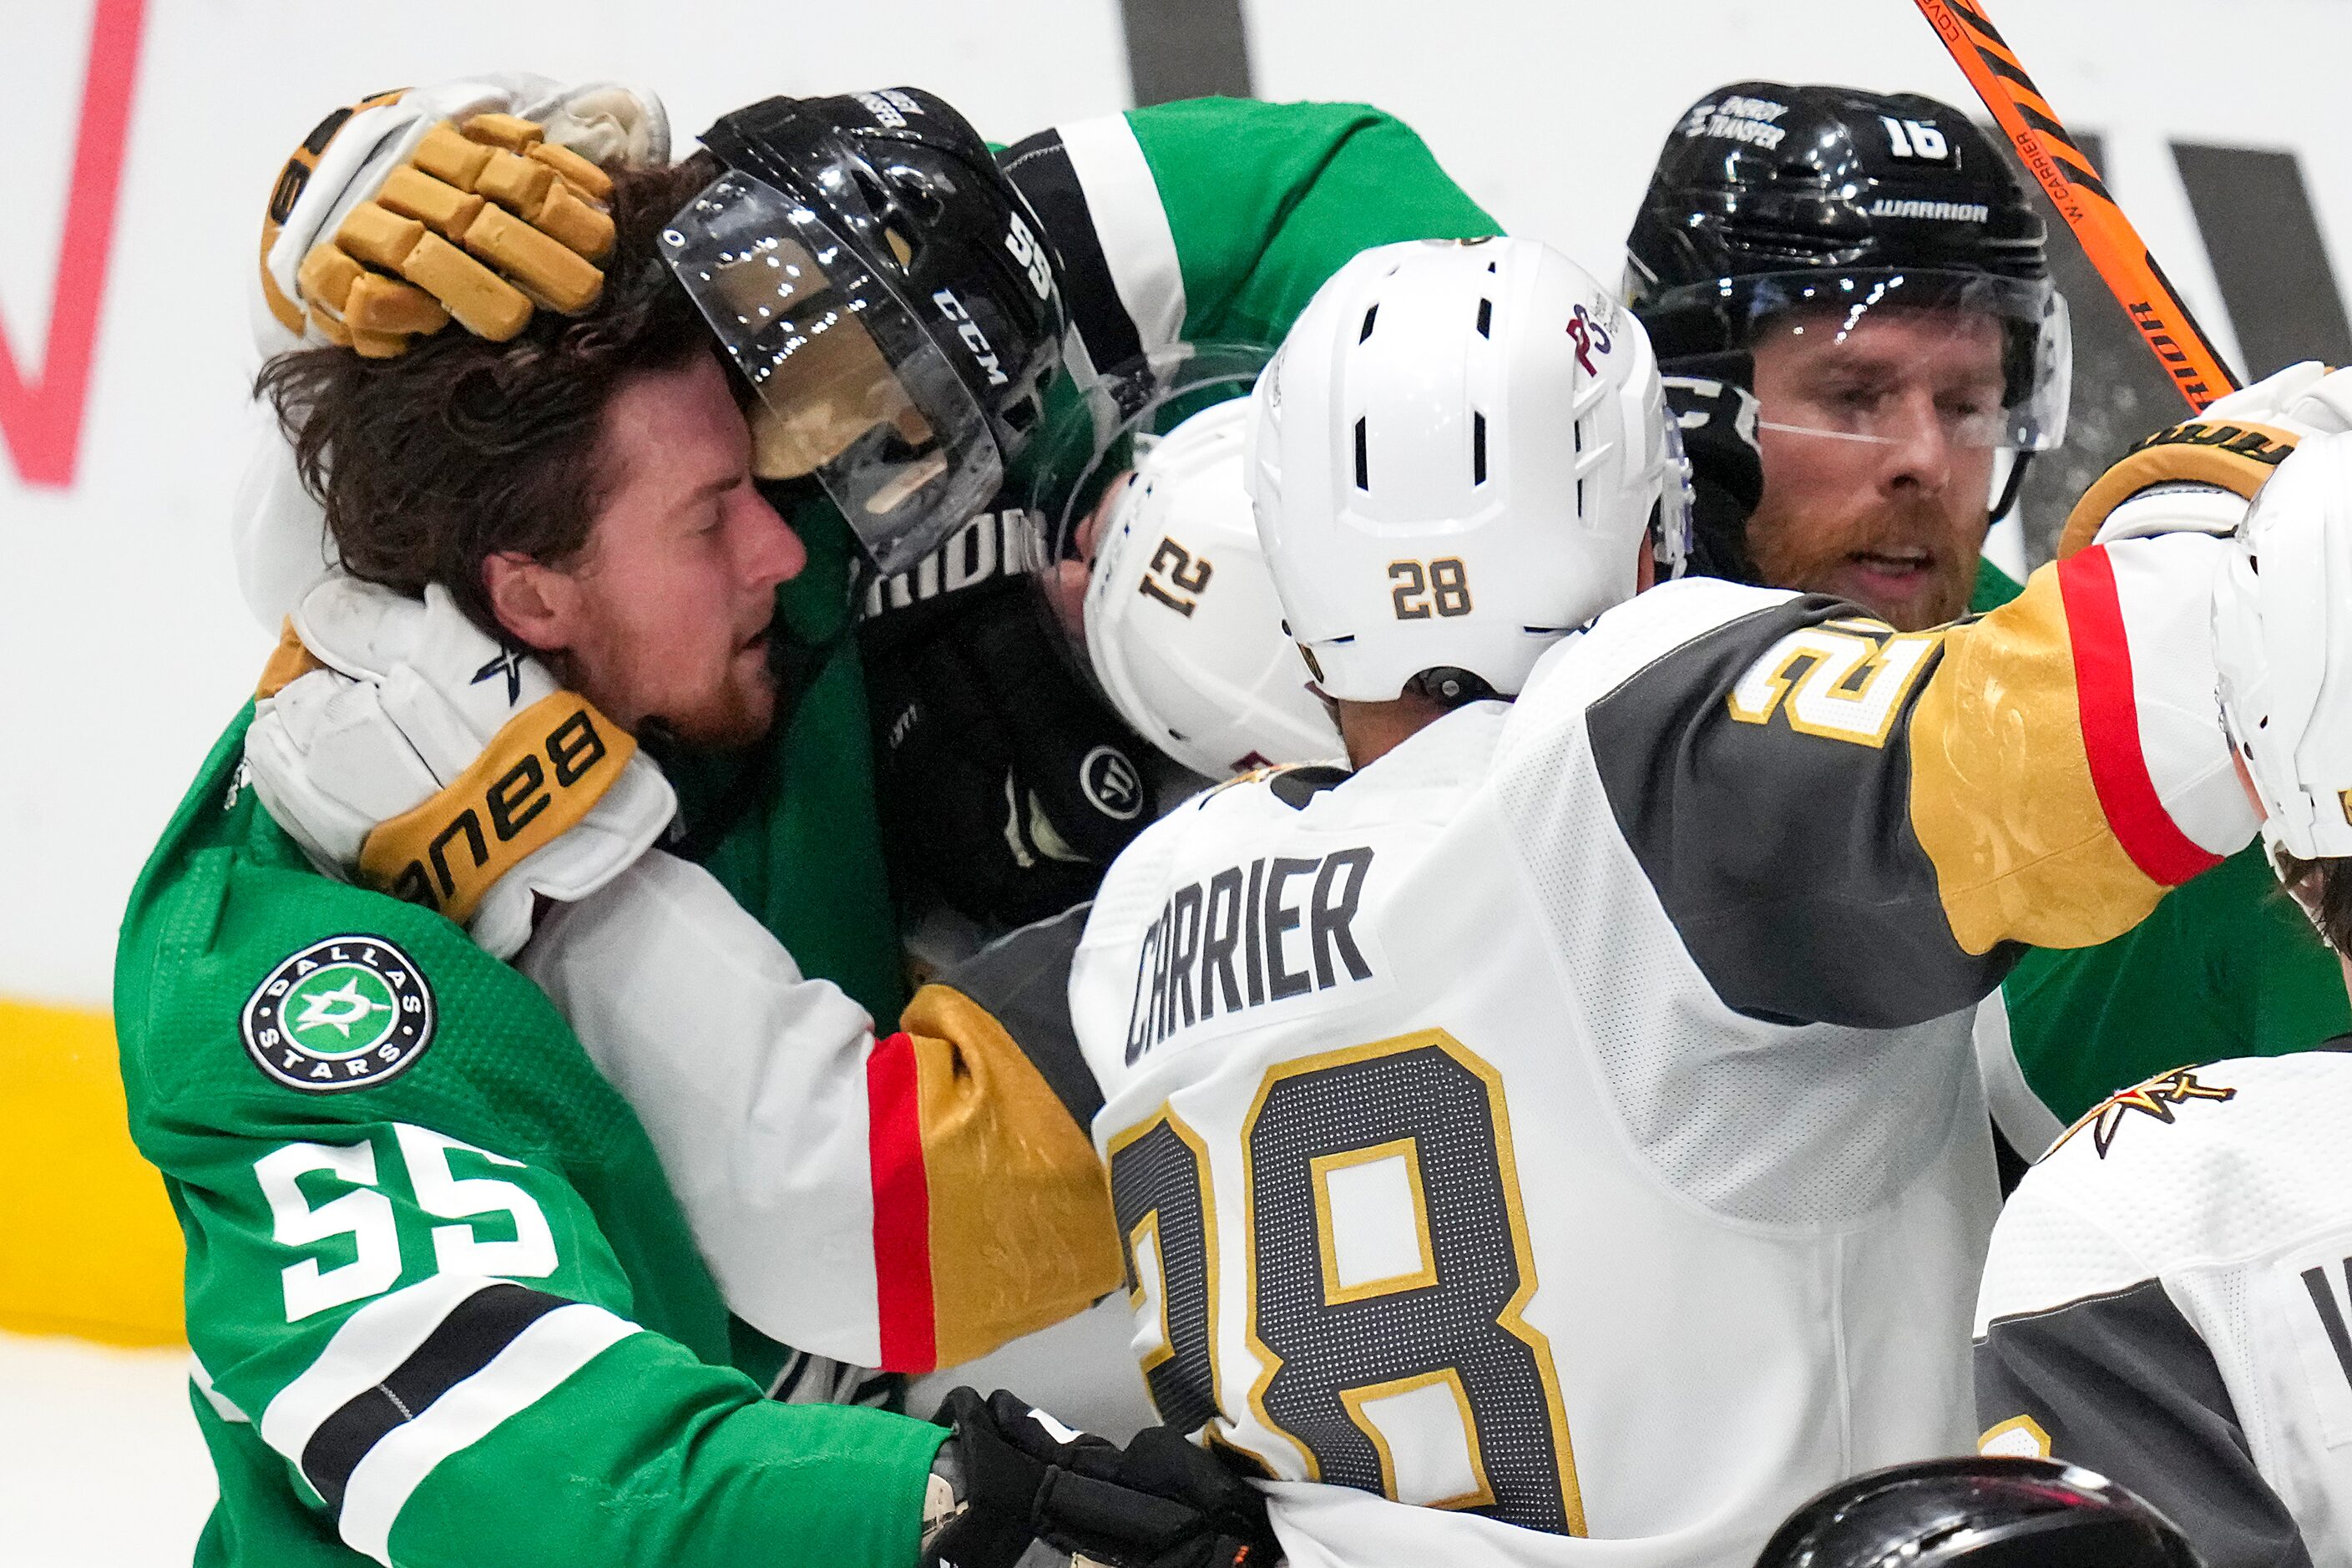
<point>2122,1385</point>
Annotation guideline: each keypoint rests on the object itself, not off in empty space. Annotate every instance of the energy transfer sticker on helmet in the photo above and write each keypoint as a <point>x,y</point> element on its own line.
<point>1749,120</point>
<point>341,1014</point>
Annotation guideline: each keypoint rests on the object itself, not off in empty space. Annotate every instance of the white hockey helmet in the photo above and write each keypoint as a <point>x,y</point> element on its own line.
<point>2283,644</point>
<point>1183,625</point>
<point>1455,457</point>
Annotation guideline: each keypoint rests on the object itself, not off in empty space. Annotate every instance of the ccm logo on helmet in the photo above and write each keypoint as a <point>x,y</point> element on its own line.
<point>973,338</point>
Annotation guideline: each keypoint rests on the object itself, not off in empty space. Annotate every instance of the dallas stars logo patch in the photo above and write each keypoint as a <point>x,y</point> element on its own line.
<point>2155,1098</point>
<point>341,1014</point>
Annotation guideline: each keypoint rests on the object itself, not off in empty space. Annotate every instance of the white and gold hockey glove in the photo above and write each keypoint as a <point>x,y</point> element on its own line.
<point>477,201</point>
<point>2201,475</point>
<point>407,752</point>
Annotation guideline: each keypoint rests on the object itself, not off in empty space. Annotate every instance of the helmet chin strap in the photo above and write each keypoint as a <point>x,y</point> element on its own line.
<point>2013,487</point>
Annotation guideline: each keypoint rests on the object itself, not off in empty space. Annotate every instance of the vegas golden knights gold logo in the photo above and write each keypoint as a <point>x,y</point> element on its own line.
<point>536,779</point>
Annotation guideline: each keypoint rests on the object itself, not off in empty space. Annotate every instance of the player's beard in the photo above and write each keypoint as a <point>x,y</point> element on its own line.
<point>1907,561</point>
<point>737,709</point>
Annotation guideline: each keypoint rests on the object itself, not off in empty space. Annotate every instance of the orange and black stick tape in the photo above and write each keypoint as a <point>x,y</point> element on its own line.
<point>2075,188</point>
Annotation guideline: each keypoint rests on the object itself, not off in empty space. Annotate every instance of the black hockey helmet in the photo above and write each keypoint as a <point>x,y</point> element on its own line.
<point>1778,210</point>
<point>889,295</point>
<point>1976,1511</point>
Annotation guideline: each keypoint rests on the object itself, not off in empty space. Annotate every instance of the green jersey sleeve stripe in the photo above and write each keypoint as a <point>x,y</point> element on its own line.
<point>368,1348</point>
<point>475,1330</point>
<point>1130,224</point>
<point>537,1362</point>
<point>1091,187</point>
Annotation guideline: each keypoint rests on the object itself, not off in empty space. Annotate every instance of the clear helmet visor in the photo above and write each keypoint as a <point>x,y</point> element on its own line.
<point>851,388</point>
<point>1081,456</point>
<point>1891,355</point>
<point>1106,431</point>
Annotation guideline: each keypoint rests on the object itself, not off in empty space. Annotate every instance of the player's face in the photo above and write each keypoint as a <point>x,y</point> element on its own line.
<point>1878,456</point>
<point>665,614</point>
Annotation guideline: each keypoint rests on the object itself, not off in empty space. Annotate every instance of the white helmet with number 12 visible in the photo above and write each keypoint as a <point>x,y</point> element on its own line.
<point>1183,625</point>
<point>1456,459</point>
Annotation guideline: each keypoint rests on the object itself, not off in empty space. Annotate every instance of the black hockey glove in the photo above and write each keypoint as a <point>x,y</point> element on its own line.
<point>1708,396</point>
<point>1005,1478</point>
<point>1006,787</point>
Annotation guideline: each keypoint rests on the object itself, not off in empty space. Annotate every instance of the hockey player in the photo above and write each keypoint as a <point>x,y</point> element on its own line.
<point>1166,225</point>
<point>1163,591</point>
<point>1867,268</point>
<point>2166,1293</point>
<point>442,1299</point>
<point>1868,459</point>
<point>1678,938</point>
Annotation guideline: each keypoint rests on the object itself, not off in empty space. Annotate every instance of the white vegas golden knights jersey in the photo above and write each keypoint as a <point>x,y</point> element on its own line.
<point>1569,1122</point>
<point>2167,1302</point>
<point>1448,1176</point>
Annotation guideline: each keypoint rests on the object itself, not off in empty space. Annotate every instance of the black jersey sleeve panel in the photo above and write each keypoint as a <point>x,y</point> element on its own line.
<point>1786,857</point>
<point>1024,980</point>
<point>1041,170</point>
<point>2122,1385</point>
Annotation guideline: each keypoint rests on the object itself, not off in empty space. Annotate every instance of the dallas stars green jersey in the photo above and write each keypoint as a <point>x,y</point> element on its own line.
<point>444,1308</point>
<point>2226,966</point>
<point>1212,219</point>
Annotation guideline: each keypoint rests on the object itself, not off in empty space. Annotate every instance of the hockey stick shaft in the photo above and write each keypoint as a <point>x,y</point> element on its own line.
<point>2107,238</point>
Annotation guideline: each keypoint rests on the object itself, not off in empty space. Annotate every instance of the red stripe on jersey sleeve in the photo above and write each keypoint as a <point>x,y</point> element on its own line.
<point>2110,718</point>
<point>902,1208</point>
